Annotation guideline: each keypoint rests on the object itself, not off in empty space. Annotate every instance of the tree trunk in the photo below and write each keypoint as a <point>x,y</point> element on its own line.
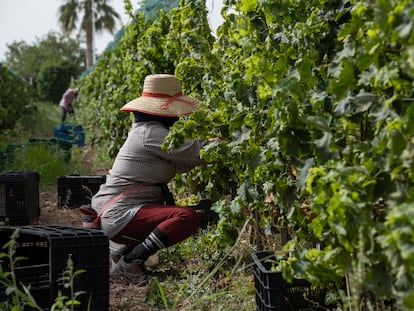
<point>89,33</point>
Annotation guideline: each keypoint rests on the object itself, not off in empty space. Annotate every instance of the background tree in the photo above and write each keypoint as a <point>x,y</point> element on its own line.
<point>97,14</point>
<point>13,104</point>
<point>52,49</point>
<point>55,79</point>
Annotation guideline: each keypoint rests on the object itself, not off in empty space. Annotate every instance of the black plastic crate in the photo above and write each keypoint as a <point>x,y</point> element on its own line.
<point>77,190</point>
<point>47,249</point>
<point>273,292</point>
<point>19,197</point>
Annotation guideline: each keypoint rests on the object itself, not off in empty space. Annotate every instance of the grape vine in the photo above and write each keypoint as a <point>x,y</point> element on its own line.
<point>313,100</point>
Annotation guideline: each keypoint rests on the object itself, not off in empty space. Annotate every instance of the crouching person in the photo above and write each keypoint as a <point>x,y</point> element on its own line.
<point>131,203</point>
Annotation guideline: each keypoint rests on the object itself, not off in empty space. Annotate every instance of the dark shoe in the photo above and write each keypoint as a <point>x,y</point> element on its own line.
<point>133,272</point>
<point>118,253</point>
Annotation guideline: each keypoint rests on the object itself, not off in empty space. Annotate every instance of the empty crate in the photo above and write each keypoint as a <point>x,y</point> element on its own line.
<point>273,292</point>
<point>19,197</point>
<point>76,190</point>
<point>46,250</point>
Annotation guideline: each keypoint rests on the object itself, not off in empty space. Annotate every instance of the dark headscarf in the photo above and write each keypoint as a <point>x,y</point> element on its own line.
<point>144,117</point>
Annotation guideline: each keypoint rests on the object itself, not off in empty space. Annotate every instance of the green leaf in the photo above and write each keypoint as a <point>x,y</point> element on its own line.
<point>386,77</point>
<point>343,78</point>
<point>409,300</point>
<point>322,146</point>
<point>303,173</point>
<point>235,207</point>
<point>364,100</point>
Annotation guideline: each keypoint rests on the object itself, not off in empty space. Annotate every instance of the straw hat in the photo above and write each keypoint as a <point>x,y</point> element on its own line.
<point>162,96</point>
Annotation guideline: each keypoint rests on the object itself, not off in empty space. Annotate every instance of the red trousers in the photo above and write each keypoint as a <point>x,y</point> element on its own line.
<point>176,222</point>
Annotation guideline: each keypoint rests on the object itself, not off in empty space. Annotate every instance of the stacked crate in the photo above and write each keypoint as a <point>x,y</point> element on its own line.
<point>71,133</point>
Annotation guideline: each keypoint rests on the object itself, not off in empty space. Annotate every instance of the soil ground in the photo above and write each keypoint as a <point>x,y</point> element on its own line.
<point>122,296</point>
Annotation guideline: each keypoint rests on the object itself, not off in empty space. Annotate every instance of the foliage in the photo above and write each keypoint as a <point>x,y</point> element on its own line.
<point>55,79</point>
<point>397,242</point>
<point>65,303</point>
<point>313,101</point>
<point>218,278</point>
<point>328,128</point>
<point>16,98</point>
<point>46,157</point>
<point>50,157</point>
<point>151,8</point>
<point>38,123</point>
<point>29,59</point>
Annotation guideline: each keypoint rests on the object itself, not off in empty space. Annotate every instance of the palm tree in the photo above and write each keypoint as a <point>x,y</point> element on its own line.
<point>97,15</point>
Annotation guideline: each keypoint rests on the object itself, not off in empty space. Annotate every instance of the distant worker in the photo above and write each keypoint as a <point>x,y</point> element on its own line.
<point>66,102</point>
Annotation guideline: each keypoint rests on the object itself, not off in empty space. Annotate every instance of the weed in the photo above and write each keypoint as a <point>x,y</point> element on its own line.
<point>19,295</point>
<point>214,280</point>
<point>64,303</point>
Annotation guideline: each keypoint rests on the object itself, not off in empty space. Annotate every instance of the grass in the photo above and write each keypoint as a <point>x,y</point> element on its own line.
<point>208,277</point>
<point>32,147</point>
<point>39,124</point>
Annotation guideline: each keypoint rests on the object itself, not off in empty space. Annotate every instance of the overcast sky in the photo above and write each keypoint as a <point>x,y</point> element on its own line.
<point>30,19</point>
